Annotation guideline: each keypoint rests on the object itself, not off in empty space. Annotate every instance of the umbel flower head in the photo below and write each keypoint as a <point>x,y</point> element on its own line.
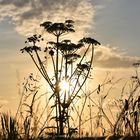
<point>32,39</point>
<point>58,29</point>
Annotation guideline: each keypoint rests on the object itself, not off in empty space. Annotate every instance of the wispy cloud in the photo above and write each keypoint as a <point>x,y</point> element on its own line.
<point>112,57</point>
<point>27,15</point>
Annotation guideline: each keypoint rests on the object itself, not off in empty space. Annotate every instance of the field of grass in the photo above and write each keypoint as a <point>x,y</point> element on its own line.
<point>29,122</point>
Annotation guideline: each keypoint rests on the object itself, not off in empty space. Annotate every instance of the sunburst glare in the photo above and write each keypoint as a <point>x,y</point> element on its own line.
<point>64,86</point>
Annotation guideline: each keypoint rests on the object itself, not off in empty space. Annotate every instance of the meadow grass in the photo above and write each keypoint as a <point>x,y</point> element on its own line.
<point>29,123</point>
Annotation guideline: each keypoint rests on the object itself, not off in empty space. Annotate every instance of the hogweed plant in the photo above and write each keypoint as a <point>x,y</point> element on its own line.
<point>69,68</point>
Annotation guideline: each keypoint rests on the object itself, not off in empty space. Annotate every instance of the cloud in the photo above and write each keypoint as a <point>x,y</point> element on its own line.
<point>17,3</point>
<point>27,15</point>
<point>112,57</point>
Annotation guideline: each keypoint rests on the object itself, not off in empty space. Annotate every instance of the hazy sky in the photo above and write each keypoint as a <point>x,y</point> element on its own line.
<point>114,23</point>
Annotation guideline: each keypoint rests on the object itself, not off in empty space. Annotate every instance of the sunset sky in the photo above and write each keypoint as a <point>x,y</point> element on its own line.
<point>114,23</point>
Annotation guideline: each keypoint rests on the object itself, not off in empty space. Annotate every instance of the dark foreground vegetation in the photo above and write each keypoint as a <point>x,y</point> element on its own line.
<point>67,108</point>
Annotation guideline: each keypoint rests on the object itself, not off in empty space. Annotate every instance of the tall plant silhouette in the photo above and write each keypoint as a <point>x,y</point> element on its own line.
<point>71,64</point>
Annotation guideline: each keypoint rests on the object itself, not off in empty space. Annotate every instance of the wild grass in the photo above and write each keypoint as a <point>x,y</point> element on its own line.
<point>127,122</point>
<point>32,122</point>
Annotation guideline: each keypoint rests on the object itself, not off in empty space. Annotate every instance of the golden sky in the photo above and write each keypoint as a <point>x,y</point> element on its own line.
<point>111,22</point>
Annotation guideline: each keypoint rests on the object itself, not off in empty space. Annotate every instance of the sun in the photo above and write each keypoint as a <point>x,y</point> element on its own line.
<point>64,85</point>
